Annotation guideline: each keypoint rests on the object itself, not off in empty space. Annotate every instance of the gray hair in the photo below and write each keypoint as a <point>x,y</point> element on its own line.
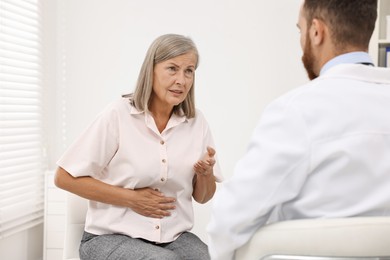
<point>163,48</point>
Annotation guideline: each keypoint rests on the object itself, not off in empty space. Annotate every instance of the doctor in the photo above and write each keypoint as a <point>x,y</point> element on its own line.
<point>323,149</point>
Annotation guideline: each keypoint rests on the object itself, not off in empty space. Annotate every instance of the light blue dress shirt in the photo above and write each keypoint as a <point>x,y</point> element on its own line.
<point>352,57</point>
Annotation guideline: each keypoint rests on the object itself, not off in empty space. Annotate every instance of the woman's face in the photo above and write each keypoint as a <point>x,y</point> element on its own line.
<point>172,80</point>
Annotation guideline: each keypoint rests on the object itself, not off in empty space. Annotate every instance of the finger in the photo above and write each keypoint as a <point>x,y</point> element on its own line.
<point>155,215</point>
<point>204,165</point>
<point>199,170</point>
<point>167,200</point>
<point>164,213</point>
<point>198,167</point>
<point>211,162</point>
<point>157,193</point>
<point>210,151</point>
<point>167,207</point>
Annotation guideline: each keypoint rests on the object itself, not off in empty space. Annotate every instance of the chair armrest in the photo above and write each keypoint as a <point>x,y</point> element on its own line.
<point>343,237</point>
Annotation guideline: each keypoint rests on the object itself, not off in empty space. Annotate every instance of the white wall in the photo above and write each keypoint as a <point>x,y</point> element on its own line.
<point>249,51</point>
<point>25,245</point>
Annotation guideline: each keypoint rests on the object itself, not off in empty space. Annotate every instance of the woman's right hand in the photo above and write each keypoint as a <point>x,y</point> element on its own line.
<point>151,203</point>
<point>145,201</point>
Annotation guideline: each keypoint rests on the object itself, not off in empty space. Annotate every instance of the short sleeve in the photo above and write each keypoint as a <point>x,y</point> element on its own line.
<point>92,151</point>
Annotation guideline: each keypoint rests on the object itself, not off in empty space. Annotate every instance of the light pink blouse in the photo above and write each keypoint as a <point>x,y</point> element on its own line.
<point>123,147</point>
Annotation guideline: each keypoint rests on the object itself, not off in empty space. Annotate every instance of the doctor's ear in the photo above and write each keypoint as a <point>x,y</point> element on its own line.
<point>317,31</point>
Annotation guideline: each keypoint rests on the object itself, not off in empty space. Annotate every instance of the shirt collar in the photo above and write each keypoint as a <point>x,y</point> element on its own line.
<point>173,121</point>
<point>352,57</point>
<point>176,118</point>
<point>134,110</point>
<point>179,118</point>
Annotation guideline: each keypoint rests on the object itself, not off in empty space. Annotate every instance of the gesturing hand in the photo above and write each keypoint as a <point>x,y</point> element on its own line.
<point>204,167</point>
<point>152,203</point>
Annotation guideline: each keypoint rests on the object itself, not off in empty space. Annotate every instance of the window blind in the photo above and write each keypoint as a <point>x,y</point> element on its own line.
<point>21,115</point>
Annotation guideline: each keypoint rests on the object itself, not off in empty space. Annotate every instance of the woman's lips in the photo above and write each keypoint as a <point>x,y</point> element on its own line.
<point>176,92</point>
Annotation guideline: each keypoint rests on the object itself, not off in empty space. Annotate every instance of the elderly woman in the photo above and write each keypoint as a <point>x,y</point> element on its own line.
<point>142,161</point>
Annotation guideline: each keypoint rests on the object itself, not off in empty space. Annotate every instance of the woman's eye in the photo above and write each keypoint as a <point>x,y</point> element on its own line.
<point>172,69</point>
<point>189,72</point>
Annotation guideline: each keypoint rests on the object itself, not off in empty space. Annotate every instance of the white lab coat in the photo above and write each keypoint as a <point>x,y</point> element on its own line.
<point>320,151</point>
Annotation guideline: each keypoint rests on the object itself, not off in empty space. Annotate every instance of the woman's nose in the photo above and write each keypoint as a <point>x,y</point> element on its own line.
<point>180,78</point>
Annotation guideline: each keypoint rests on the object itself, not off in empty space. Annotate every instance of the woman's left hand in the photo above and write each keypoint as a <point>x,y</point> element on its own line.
<point>204,167</point>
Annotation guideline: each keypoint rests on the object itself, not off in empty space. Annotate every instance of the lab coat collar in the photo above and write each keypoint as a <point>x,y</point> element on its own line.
<point>359,72</point>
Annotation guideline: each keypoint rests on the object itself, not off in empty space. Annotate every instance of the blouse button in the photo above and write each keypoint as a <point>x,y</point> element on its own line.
<point>157,227</point>
<point>162,179</point>
<point>162,142</point>
<point>163,160</point>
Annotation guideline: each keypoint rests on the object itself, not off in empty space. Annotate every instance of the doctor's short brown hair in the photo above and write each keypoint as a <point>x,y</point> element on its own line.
<point>351,22</point>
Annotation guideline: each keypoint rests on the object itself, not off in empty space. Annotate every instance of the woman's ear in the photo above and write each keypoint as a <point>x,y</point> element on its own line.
<point>317,32</point>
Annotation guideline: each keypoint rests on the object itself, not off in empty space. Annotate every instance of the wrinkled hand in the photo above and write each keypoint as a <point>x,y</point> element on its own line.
<point>152,203</point>
<point>205,166</point>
